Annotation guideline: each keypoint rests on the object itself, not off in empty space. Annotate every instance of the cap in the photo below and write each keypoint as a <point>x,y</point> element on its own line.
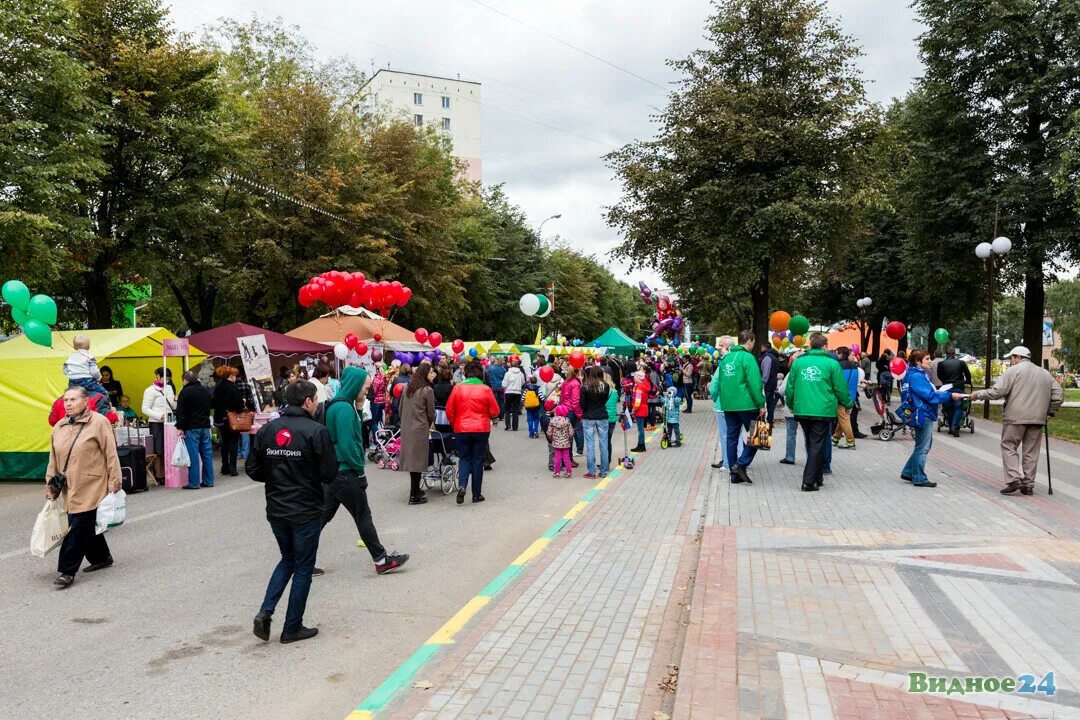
<point>549,404</point>
<point>1021,351</point>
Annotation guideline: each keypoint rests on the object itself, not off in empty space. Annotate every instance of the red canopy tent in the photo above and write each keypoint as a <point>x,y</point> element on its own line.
<point>221,342</point>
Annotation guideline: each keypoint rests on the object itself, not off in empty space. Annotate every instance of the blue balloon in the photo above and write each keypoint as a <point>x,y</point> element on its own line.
<point>596,344</point>
<point>472,352</point>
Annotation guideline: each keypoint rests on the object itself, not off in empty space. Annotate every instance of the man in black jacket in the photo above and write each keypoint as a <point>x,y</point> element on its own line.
<point>295,457</point>
<point>954,371</point>
<point>771,367</point>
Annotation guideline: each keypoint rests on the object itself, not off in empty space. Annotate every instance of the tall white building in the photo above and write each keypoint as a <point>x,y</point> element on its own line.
<point>452,106</point>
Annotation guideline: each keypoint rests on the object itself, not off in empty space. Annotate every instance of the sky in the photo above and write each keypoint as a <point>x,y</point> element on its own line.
<point>550,112</point>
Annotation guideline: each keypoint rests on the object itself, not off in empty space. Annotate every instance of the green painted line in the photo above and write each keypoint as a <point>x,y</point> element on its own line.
<point>501,581</point>
<point>590,495</point>
<point>554,529</point>
<point>398,679</point>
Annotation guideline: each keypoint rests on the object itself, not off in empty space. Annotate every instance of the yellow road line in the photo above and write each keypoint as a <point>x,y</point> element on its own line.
<point>445,634</point>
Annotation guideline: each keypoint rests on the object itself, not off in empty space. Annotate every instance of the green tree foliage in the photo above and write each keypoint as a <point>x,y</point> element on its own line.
<point>758,167</point>
<point>1063,307</point>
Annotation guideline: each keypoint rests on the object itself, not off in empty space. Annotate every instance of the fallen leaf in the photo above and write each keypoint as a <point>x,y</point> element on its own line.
<point>423,685</point>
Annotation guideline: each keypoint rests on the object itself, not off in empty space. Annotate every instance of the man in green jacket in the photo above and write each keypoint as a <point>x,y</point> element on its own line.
<point>815,388</point>
<point>742,397</point>
<point>350,485</point>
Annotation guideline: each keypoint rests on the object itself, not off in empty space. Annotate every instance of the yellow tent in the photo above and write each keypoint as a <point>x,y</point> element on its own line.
<point>496,349</point>
<point>31,379</point>
<point>512,348</point>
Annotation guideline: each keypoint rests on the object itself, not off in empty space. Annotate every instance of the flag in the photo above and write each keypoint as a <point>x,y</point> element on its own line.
<point>539,334</point>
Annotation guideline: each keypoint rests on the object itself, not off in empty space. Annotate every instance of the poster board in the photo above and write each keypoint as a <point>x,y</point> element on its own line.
<point>256,358</point>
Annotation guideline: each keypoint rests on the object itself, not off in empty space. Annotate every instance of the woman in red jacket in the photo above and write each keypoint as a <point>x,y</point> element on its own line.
<point>470,407</point>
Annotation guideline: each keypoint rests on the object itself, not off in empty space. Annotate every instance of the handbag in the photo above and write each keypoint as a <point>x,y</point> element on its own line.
<point>760,436</point>
<point>59,481</point>
<point>241,421</point>
<point>49,529</point>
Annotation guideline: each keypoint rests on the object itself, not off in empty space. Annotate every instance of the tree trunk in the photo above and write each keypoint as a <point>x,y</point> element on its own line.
<point>99,305</point>
<point>934,322</point>
<point>759,303</point>
<point>1034,303</point>
<point>875,335</point>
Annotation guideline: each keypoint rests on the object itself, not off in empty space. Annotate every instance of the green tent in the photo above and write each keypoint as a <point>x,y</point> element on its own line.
<point>618,342</point>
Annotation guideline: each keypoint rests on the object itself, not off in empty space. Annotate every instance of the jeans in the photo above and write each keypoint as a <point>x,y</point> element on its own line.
<point>579,434</point>
<point>916,464</point>
<point>722,434</point>
<point>230,444</point>
<point>350,489</point>
<point>739,422</point>
<point>688,393</point>
<point>610,432</point>
<point>532,417</point>
<point>953,411</point>
<point>673,433</point>
<point>816,434</point>
<point>198,445</point>
<point>512,405</point>
<point>81,541</point>
<point>472,449</point>
<point>299,545</point>
<point>640,422</point>
<point>500,398</point>
<point>791,427</point>
<point>245,446</point>
<point>376,420</point>
<point>594,435</point>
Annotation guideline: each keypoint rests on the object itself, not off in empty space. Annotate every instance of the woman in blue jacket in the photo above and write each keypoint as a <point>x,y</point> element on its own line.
<point>920,392</point>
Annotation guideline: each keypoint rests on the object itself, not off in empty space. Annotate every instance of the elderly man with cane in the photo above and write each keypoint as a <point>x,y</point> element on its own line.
<point>1031,397</point>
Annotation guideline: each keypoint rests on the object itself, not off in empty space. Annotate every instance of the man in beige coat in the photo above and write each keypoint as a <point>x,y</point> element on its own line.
<point>83,449</point>
<point>1031,396</point>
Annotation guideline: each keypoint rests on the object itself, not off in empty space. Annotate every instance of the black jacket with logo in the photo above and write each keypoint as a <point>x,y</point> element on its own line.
<point>295,457</point>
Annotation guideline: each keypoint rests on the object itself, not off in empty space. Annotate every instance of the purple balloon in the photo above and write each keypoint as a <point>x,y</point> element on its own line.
<point>376,354</point>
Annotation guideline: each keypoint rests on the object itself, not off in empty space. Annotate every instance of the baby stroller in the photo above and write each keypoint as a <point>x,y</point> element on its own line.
<point>965,422</point>
<point>387,447</point>
<point>890,424</point>
<point>442,470</point>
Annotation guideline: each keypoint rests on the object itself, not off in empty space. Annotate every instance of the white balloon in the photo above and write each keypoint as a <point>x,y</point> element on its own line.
<point>341,351</point>
<point>867,301</point>
<point>1001,245</point>
<point>529,304</point>
<point>983,250</point>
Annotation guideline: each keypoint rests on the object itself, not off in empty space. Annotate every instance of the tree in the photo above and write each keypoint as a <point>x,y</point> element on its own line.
<point>48,143</point>
<point>758,168</point>
<point>1013,68</point>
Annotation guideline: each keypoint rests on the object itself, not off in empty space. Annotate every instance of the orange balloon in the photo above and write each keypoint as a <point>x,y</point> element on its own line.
<point>779,321</point>
<point>776,341</point>
<point>797,341</point>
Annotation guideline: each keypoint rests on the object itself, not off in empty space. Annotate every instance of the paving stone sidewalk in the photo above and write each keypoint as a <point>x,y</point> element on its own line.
<point>775,603</point>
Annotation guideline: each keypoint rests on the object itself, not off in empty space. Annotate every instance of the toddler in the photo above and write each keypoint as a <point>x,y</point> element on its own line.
<point>81,367</point>
<point>561,434</point>
<point>533,407</point>
<point>672,403</point>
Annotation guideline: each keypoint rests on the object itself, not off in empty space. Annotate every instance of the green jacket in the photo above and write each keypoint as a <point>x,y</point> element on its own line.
<point>740,381</point>
<point>343,422</point>
<point>613,406</point>
<point>816,386</point>
<point>714,391</point>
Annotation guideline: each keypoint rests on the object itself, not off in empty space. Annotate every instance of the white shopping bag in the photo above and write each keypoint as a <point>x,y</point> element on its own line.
<point>49,529</point>
<point>180,457</point>
<point>111,512</point>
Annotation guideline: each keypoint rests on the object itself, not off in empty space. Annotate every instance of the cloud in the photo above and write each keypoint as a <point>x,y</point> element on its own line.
<point>532,83</point>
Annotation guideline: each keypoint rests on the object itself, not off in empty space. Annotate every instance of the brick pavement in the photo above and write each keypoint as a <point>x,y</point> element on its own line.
<point>780,604</point>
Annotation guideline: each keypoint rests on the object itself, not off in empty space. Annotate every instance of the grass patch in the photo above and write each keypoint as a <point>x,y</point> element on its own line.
<point>1064,426</point>
<point>1072,395</point>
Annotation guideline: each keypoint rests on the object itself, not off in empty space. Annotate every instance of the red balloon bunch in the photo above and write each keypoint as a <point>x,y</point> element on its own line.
<point>336,288</point>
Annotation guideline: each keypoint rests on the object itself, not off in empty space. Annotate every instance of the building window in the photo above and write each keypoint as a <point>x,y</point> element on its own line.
<point>419,120</point>
<point>446,102</point>
<point>446,123</point>
<point>418,98</point>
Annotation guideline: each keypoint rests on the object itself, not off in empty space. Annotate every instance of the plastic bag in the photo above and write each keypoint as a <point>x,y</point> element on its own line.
<point>180,457</point>
<point>49,529</point>
<point>111,512</point>
<point>760,436</point>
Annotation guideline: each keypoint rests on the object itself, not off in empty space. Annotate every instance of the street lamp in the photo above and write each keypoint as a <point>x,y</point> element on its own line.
<point>864,335</point>
<point>986,251</point>
<point>540,229</point>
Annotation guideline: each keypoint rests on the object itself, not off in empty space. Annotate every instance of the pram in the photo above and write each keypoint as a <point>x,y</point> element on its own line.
<point>443,470</point>
<point>387,447</point>
<point>890,424</point>
<point>965,422</point>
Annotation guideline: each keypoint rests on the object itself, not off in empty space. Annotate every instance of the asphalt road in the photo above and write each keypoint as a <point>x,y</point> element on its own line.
<point>166,632</point>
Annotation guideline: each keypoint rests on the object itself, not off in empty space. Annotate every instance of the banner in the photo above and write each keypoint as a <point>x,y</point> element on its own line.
<point>256,358</point>
<point>1048,333</point>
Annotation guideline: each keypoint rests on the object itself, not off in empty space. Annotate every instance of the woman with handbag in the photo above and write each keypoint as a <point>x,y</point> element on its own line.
<point>158,402</point>
<point>84,468</point>
<point>230,417</point>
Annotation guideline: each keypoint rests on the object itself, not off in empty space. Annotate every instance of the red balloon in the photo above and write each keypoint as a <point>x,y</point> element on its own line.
<point>395,284</point>
<point>355,299</point>
<point>457,346</point>
<point>896,330</point>
<point>358,278</point>
<point>435,339</point>
<point>546,373</point>
<point>897,366</point>
<point>361,348</point>
<point>404,296</point>
<point>351,341</point>
<point>397,389</point>
<point>421,335</point>
<point>377,337</point>
<point>385,313</point>
<point>577,359</point>
<point>317,291</point>
<point>304,297</point>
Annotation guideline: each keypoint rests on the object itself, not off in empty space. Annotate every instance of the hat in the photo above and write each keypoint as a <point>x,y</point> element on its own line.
<point>561,411</point>
<point>1021,351</point>
<point>672,392</point>
<point>549,404</point>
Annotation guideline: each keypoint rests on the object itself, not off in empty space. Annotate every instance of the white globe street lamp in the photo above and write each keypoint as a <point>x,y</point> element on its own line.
<point>986,251</point>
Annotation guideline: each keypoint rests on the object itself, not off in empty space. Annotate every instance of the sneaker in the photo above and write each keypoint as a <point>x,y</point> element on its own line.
<point>590,476</point>
<point>262,625</point>
<point>63,581</point>
<point>106,563</point>
<point>461,496</point>
<point>393,562</point>
<point>554,474</point>
<point>568,474</point>
<point>718,466</point>
<point>316,572</point>
<point>925,484</point>
<point>304,633</point>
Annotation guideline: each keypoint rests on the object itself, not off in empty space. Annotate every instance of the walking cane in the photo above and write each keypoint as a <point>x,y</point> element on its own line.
<point>1046,432</point>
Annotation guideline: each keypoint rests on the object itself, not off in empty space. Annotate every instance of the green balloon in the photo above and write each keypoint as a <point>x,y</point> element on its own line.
<point>16,294</point>
<point>43,308</point>
<point>19,316</point>
<point>544,304</point>
<point>941,335</point>
<point>38,333</point>
<point>799,325</point>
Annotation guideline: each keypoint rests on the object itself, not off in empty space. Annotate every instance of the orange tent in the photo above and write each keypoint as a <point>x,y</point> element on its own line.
<point>849,335</point>
<point>332,327</point>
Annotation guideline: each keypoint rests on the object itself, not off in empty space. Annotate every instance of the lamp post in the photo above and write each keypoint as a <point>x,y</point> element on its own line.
<point>986,251</point>
<point>864,335</point>
<point>540,229</point>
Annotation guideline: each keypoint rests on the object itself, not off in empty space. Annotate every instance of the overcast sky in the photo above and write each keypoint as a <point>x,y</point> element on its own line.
<point>578,108</point>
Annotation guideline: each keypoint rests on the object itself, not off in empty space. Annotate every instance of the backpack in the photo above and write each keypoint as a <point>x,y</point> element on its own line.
<point>320,411</point>
<point>532,400</point>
